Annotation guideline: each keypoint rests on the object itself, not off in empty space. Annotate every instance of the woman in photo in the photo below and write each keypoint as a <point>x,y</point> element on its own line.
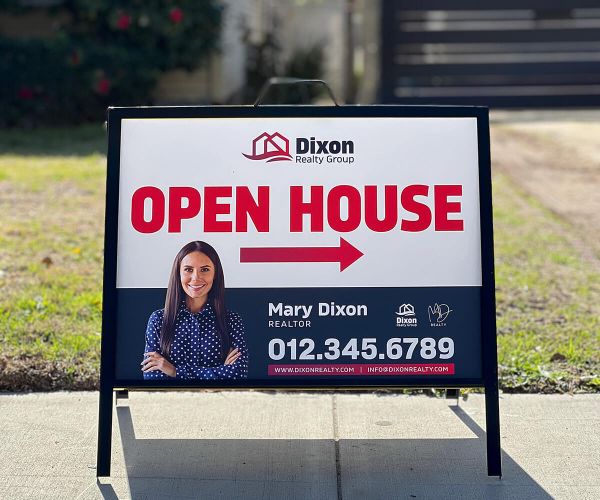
<point>194,336</point>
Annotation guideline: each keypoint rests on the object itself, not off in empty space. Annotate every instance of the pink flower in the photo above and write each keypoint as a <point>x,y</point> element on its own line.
<point>123,21</point>
<point>75,58</point>
<point>176,15</point>
<point>25,93</point>
<point>103,86</point>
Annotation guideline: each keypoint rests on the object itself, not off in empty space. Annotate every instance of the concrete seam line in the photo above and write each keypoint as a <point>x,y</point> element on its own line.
<point>336,442</point>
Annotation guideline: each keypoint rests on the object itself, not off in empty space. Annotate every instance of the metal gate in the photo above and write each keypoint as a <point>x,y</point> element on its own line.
<point>510,53</point>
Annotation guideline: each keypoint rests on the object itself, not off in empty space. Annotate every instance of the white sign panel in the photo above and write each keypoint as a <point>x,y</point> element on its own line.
<point>303,202</point>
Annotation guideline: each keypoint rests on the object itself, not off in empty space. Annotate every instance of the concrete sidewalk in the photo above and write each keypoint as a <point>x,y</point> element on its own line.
<point>275,445</point>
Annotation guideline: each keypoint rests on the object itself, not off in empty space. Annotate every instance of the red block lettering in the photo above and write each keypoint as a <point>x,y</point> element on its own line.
<point>212,208</point>
<point>157,212</point>
<point>246,206</point>
<point>334,216</point>
<point>390,216</point>
<point>313,208</point>
<point>443,207</point>
<point>407,198</point>
<point>177,212</point>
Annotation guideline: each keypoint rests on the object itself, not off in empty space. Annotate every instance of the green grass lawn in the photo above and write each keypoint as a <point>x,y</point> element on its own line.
<point>51,237</point>
<point>548,299</point>
<point>51,243</point>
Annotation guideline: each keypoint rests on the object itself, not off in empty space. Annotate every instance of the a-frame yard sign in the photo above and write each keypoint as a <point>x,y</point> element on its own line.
<point>299,247</point>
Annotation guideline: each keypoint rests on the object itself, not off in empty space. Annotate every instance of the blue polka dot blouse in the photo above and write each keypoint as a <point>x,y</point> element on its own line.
<point>196,348</point>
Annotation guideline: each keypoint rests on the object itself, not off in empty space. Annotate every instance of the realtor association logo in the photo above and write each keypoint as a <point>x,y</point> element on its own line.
<point>270,147</point>
<point>438,314</point>
<point>406,315</point>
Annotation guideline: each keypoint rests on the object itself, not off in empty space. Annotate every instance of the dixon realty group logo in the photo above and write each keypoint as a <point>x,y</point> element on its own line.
<point>270,147</point>
<point>406,315</point>
<point>276,147</point>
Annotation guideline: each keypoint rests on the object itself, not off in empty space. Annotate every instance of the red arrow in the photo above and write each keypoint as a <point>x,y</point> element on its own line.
<point>345,254</point>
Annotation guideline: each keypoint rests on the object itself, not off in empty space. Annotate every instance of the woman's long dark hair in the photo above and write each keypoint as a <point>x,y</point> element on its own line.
<point>176,296</point>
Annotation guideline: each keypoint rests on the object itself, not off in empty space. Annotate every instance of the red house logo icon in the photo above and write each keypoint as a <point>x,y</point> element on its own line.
<point>270,147</point>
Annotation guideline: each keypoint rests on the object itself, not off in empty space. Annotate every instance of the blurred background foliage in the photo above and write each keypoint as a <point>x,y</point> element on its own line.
<point>265,59</point>
<point>104,53</point>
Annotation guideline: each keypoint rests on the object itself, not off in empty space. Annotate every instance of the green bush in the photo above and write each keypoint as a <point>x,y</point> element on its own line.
<point>108,53</point>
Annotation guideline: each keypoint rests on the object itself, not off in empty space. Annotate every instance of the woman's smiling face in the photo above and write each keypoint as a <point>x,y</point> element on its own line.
<point>197,273</point>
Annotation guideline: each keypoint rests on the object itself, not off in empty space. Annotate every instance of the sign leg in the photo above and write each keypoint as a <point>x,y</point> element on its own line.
<point>121,395</point>
<point>453,394</point>
<point>104,432</point>
<point>492,430</point>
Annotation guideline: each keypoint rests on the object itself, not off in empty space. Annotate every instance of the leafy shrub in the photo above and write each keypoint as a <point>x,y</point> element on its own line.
<point>108,53</point>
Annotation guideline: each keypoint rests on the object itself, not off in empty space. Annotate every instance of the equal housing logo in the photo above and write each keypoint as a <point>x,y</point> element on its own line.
<point>306,150</point>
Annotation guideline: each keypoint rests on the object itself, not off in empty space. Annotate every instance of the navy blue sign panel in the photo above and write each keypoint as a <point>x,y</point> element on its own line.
<point>336,333</point>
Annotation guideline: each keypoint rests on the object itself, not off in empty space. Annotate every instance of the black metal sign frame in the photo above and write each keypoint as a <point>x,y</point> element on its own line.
<point>108,381</point>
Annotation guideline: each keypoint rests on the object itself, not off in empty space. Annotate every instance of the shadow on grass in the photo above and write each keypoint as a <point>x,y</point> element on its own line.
<point>292,468</point>
<point>60,141</point>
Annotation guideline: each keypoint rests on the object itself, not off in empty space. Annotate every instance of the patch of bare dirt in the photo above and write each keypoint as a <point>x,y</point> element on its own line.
<point>33,373</point>
<point>559,165</point>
